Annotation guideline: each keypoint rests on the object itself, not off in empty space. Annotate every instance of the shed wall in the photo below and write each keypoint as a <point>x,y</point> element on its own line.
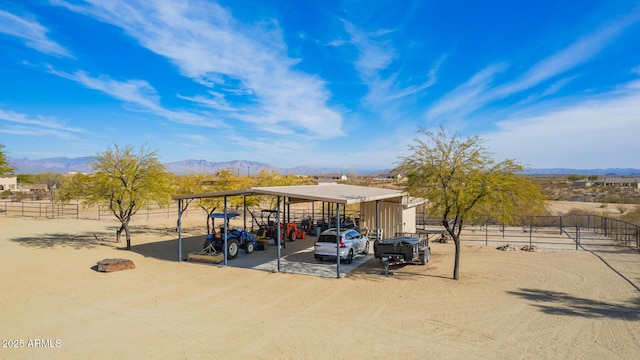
<point>390,217</point>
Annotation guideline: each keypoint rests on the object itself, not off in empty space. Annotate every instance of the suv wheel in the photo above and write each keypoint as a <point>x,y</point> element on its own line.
<point>350,257</point>
<point>366,249</point>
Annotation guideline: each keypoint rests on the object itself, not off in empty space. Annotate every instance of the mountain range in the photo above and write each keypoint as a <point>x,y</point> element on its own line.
<point>244,167</point>
<point>66,165</point>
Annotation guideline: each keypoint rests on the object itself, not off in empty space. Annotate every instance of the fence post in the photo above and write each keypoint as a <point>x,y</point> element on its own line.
<point>530,232</point>
<point>577,237</point>
<point>560,225</point>
<point>486,234</point>
<point>503,230</point>
<point>626,235</point>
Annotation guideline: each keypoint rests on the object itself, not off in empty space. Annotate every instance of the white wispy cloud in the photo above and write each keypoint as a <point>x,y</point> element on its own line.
<point>140,94</point>
<point>209,46</point>
<point>562,135</point>
<point>374,64</point>
<point>32,33</point>
<point>467,99</point>
<point>22,124</point>
<point>374,54</point>
<point>550,90</point>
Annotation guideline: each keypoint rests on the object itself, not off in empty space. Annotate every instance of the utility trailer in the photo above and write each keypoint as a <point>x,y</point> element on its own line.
<point>402,250</point>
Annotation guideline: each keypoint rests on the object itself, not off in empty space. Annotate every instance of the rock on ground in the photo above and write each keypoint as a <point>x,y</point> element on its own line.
<point>111,265</point>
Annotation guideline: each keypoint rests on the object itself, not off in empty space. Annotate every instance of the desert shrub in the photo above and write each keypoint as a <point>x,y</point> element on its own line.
<point>579,211</point>
<point>22,196</point>
<point>613,199</point>
<point>632,216</point>
<point>576,177</point>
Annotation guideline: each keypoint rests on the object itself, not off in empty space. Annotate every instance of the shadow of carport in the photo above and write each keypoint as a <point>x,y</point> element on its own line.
<point>294,257</point>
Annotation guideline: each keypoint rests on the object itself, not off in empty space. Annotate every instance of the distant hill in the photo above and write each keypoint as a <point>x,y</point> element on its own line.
<point>243,167</point>
<point>55,165</point>
<point>566,171</point>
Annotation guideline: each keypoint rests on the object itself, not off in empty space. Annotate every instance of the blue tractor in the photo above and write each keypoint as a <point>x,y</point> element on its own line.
<point>236,239</point>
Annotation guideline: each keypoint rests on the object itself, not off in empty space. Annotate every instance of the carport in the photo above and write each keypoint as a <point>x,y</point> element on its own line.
<point>336,194</point>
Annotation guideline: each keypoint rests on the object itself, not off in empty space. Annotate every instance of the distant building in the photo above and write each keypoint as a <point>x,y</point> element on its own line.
<point>583,183</point>
<point>33,188</point>
<point>9,183</point>
<point>610,181</point>
<point>389,176</point>
<point>334,177</point>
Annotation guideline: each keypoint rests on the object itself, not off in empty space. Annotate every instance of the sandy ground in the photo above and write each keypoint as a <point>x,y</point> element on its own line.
<point>552,304</point>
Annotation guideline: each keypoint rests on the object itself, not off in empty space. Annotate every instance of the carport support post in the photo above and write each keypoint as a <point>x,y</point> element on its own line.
<point>179,230</point>
<point>278,234</point>
<point>338,241</point>
<point>288,210</point>
<point>226,248</point>
<point>244,216</point>
<point>377,219</point>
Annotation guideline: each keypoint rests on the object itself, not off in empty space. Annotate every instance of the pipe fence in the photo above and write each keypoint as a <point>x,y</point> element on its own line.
<point>39,209</point>
<point>560,232</point>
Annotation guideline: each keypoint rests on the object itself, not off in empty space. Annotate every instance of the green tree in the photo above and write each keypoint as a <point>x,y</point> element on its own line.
<point>124,180</point>
<point>196,184</point>
<point>74,188</point>
<point>463,183</point>
<point>4,163</point>
<point>576,177</point>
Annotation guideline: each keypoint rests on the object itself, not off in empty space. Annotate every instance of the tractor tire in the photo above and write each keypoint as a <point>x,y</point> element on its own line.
<point>275,241</point>
<point>249,247</point>
<point>232,248</point>
<point>292,236</point>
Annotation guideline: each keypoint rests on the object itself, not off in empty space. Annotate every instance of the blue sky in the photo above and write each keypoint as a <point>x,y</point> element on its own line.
<point>321,83</point>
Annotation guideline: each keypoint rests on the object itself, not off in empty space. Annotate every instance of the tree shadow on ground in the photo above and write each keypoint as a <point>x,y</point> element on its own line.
<point>94,238</point>
<point>559,303</point>
<point>76,241</point>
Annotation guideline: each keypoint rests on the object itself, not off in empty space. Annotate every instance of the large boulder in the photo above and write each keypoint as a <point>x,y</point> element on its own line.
<point>111,265</point>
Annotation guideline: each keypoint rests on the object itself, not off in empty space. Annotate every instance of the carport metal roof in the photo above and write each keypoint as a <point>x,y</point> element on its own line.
<point>332,193</point>
<point>336,193</point>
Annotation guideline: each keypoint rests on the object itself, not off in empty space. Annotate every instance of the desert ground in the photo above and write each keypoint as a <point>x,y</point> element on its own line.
<point>551,304</point>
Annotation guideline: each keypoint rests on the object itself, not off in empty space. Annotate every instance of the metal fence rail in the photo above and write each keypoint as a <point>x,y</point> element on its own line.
<point>39,209</point>
<point>555,231</point>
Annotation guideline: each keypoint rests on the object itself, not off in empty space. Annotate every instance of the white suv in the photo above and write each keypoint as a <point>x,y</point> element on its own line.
<point>351,244</point>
